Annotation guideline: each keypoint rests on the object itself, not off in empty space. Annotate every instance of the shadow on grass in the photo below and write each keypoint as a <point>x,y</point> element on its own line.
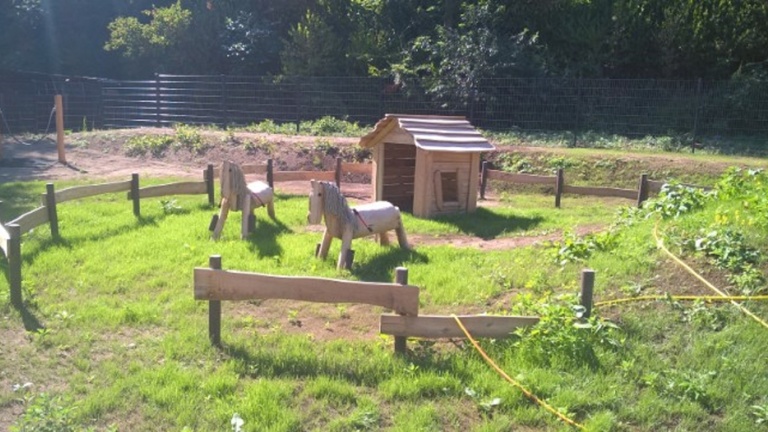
<point>382,267</point>
<point>263,240</point>
<point>287,358</point>
<point>31,323</point>
<point>486,224</point>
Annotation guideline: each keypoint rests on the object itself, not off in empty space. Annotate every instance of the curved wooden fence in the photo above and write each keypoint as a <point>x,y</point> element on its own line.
<point>11,232</point>
<point>640,195</point>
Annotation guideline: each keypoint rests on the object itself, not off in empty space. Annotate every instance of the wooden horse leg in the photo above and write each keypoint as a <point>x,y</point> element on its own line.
<point>384,238</point>
<point>346,246</point>
<point>325,245</point>
<point>246,212</point>
<point>223,212</point>
<point>402,239</point>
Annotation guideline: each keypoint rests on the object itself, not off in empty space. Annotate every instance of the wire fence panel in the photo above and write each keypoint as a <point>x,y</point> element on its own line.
<point>623,107</point>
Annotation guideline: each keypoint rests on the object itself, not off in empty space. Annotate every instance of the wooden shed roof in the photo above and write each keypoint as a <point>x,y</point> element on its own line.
<point>431,133</point>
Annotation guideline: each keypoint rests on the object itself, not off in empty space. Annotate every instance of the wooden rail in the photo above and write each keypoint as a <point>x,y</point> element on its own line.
<point>521,178</point>
<point>439,326</point>
<point>78,192</point>
<point>5,236</point>
<point>645,186</point>
<point>211,284</point>
<point>31,219</point>
<point>215,285</point>
<point>181,188</point>
<point>600,191</point>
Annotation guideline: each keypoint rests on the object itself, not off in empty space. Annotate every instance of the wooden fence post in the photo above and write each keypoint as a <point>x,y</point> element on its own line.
<point>642,190</point>
<point>401,277</point>
<point>50,206</point>
<point>587,287</point>
<point>559,186</point>
<point>135,195</point>
<point>483,179</point>
<point>59,104</point>
<point>14,263</point>
<point>337,173</point>
<point>214,308</point>
<point>270,174</point>
<point>209,185</point>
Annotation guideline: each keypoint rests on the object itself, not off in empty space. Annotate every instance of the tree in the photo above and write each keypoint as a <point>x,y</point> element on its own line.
<point>156,45</point>
<point>452,63</point>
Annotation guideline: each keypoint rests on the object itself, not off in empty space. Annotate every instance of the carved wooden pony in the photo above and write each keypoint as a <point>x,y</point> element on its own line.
<point>236,194</point>
<point>346,223</point>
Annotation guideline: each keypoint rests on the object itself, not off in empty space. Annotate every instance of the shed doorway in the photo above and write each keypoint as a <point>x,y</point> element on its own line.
<point>399,171</point>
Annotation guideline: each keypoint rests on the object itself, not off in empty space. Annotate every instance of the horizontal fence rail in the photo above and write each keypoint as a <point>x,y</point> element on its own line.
<point>630,107</point>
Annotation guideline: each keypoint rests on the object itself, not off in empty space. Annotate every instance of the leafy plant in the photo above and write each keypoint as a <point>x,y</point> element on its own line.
<point>683,385</point>
<point>563,336</point>
<point>188,137</point>
<point>46,413</point>
<point>577,249</point>
<point>156,145</point>
<point>760,412</point>
<point>675,199</point>
<point>170,206</point>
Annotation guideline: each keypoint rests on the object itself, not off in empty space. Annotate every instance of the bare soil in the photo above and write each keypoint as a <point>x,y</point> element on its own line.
<point>102,156</point>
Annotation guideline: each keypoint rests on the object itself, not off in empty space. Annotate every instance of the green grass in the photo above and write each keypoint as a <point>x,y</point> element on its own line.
<point>115,340</point>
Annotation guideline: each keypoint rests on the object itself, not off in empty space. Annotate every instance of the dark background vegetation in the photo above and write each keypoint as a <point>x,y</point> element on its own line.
<point>633,67</point>
<point>452,41</point>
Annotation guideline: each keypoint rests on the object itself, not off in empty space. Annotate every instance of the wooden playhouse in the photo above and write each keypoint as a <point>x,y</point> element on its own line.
<point>428,165</point>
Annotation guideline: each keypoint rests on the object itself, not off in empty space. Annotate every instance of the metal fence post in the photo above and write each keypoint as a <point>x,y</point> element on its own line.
<point>158,121</point>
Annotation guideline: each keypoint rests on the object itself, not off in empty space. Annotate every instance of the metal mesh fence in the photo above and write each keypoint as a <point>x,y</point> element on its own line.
<point>623,107</point>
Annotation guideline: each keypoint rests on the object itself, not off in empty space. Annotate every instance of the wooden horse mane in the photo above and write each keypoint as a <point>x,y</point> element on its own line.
<point>335,204</point>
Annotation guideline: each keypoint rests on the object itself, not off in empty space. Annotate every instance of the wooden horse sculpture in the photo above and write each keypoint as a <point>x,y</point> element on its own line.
<point>236,195</point>
<point>345,223</point>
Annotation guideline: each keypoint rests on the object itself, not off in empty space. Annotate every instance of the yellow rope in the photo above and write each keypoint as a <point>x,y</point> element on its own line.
<point>660,244</point>
<point>681,297</point>
<point>501,372</point>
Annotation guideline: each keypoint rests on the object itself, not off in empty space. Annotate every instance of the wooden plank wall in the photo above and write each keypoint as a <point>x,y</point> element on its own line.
<point>232,285</point>
<point>398,177</point>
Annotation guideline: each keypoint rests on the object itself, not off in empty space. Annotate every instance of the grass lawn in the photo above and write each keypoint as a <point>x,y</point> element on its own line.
<point>115,340</point>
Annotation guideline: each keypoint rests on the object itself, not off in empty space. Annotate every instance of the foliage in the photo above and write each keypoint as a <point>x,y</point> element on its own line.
<point>189,137</point>
<point>562,336</point>
<point>578,249</point>
<point>156,42</point>
<point>156,145</point>
<point>47,413</point>
<point>675,200</point>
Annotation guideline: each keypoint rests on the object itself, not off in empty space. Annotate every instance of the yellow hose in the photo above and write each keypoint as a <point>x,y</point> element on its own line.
<point>660,244</point>
<point>501,372</point>
<point>680,297</point>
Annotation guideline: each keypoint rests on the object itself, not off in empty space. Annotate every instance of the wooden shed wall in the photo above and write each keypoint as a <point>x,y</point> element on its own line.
<point>450,182</point>
<point>399,165</point>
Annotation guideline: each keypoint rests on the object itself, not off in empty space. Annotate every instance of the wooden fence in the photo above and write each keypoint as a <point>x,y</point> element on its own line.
<point>640,195</point>
<point>11,232</point>
<point>216,285</point>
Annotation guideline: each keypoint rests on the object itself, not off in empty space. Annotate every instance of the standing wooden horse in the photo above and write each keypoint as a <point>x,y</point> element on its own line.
<point>345,223</point>
<point>236,195</point>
